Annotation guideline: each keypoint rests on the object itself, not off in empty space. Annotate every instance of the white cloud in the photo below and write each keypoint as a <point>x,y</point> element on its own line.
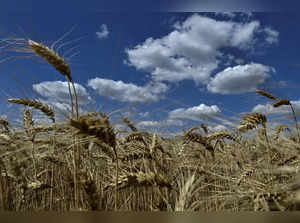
<point>243,36</point>
<point>272,35</point>
<point>268,109</point>
<point>56,95</point>
<point>57,91</point>
<point>103,33</point>
<point>168,122</point>
<point>196,113</point>
<point>118,90</point>
<point>192,50</point>
<point>239,79</point>
<point>217,128</point>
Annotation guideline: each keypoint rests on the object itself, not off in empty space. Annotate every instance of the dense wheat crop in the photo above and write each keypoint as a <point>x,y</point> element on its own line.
<point>83,163</point>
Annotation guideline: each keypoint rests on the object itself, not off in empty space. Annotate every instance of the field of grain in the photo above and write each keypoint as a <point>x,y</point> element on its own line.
<point>84,164</point>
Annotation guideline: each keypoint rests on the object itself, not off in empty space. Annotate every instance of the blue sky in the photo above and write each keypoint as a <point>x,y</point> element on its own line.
<point>165,70</point>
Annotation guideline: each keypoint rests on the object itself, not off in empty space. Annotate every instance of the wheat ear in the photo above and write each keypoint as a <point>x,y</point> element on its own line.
<point>251,121</point>
<point>281,102</point>
<point>35,104</point>
<point>196,137</point>
<point>60,65</point>
<point>279,129</point>
<point>266,94</point>
<point>4,123</point>
<point>28,126</point>
<point>129,124</point>
<point>220,135</point>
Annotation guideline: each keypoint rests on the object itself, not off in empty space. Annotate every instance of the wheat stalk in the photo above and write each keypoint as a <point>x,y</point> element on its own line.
<point>60,65</point>
<point>91,190</point>
<point>104,132</point>
<point>28,126</point>
<point>28,123</point>
<point>141,179</point>
<point>35,104</point>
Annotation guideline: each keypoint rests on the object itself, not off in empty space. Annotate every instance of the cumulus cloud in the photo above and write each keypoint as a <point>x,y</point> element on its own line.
<point>58,91</point>
<point>193,49</point>
<point>239,79</point>
<point>103,33</point>
<point>268,109</point>
<point>168,122</point>
<point>196,113</point>
<point>128,92</point>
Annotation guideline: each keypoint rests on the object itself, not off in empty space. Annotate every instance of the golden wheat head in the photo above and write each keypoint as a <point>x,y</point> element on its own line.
<point>220,135</point>
<point>279,129</point>
<point>51,57</point>
<point>251,121</point>
<point>266,94</point>
<point>129,124</point>
<point>281,102</point>
<point>35,104</point>
<point>28,123</point>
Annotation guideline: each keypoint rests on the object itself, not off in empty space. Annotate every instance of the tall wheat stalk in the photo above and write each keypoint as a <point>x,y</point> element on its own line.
<point>60,65</point>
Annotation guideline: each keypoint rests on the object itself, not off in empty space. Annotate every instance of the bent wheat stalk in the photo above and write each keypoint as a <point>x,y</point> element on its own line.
<point>35,104</point>
<point>60,65</point>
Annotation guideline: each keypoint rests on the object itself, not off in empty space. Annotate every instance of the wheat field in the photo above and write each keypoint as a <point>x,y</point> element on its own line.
<point>83,163</point>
